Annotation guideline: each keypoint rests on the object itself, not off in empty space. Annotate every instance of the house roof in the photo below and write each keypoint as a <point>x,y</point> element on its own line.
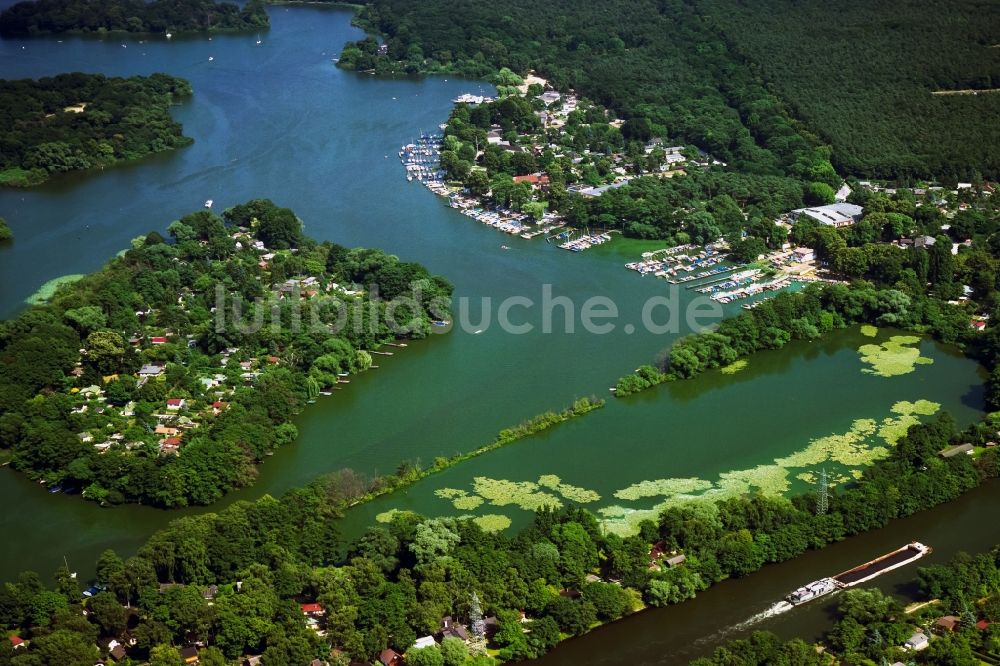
<point>189,653</point>
<point>16,641</point>
<point>117,653</point>
<point>388,657</point>
<point>952,451</point>
<point>312,608</point>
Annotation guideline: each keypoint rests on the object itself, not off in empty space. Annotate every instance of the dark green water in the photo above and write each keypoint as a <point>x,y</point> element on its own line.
<point>699,428</point>
<point>278,120</point>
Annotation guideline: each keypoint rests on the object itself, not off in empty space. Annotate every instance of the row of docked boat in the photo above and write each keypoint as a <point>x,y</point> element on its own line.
<point>671,262</point>
<point>506,221</point>
<point>585,242</point>
<point>751,289</point>
<point>421,159</point>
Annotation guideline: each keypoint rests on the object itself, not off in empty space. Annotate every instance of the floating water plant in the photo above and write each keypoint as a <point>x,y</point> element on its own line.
<point>869,331</point>
<point>572,493</point>
<point>893,357</point>
<point>450,493</point>
<point>390,515</point>
<point>865,442</point>
<point>467,502</point>
<point>735,367</point>
<point>663,488</point>
<point>492,522</point>
<point>765,479</point>
<point>48,290</point>
<point>524,494</point>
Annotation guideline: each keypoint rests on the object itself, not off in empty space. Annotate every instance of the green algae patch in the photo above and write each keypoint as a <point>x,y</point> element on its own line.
<point>524,494</point>
<point>869,331</point>
<point>663,488</point>
<point>492,522</point>
<point>572,493</point>
<point>894,357</point>
<point>391,514</point>
<point>467,502</point>
<point>450,493</point>
<point>48,290</point>
<point>765,479</point>
<point>867,441</point>
<point>735,366</point>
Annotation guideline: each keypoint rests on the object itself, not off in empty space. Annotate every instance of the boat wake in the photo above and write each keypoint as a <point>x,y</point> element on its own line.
<point>740,627</point>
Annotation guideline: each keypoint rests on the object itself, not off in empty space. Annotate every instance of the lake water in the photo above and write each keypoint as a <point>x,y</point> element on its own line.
<point>278,120</point>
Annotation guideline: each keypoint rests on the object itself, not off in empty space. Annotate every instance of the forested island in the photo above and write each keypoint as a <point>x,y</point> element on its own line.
<point>168,375</point>
<point>271,577</point>
<point>49,17</point>
<point>958,624</point>
<point>75,122</point>
<point>841,79</point>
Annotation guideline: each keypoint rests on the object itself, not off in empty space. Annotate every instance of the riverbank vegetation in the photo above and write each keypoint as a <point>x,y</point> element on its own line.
<point>959,620</point>
<point>48,17</point>
<point>804,315</point>
<point>75,122</point>
<point>409,473</point>
<point>6,235</point>
<point>272,577</point>
<point>168,375</point>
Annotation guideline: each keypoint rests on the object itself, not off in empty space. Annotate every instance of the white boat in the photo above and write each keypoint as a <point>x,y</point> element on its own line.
<point>811,591</point>
<point>208,203</point>
<point>169,35</point>
<point>210,58</point>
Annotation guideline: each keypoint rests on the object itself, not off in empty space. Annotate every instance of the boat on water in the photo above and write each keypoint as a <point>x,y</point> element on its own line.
<point>897,558</point>
<point>859,574</point>
<point>208,203</point>
<point>811,591</point>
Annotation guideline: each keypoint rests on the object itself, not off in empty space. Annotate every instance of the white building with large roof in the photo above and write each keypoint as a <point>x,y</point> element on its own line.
<point>834,215</point>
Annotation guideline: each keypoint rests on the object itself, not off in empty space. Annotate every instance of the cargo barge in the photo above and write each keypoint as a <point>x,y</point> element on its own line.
<point>897,558</point>
<point>859,574</point>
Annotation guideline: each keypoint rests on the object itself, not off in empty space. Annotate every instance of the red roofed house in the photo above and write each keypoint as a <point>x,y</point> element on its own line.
<point>978,324</point>
<point>389,657</point>
<point>983,625</point>
<point>175,403</point>
<point>312,609</point>
<point>158,340</point>
<point>170,445</point>
<point>17,641</point>
<point>534,179</point>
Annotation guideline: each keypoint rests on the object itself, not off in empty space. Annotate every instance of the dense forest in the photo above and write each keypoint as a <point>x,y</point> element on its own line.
<point>656,64</point>
<point>862,74</point>
<point>962,620</point>
<point>244,581</point>
<point>73,122</point>
<point>166,376</point>
<point>858,77</point>
<point>44,17</point>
